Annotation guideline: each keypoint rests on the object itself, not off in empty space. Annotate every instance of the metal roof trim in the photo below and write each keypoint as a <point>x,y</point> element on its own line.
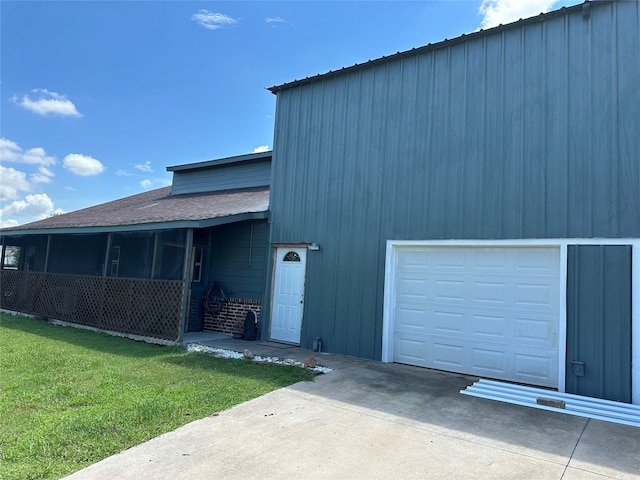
<point>442,44</point>
<point>247,158</point>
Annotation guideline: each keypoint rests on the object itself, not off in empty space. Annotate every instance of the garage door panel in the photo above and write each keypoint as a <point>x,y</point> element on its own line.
<point>537,261</point>
<point>413,289</point>
<point>535,368</point>
<point>412,350</point>
<point>501,326</point>
<point>412,320</point>
<point>485,311</point>
<point>489,327</point>
<point>448,355</point>
<point>449,323</point>
<point>448,290</point>
<point>488,361</point>
<point>531,295</point>
<point>446,259</point>
<point>489,290</point>
<point>533,331</point>
<point>490,293</point>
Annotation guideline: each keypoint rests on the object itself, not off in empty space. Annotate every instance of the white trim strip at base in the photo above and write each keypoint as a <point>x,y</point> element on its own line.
<point>596,408</point>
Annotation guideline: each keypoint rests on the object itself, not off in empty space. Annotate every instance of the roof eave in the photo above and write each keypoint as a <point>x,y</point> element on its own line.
<point>248,158</point>
<point>204,223</point>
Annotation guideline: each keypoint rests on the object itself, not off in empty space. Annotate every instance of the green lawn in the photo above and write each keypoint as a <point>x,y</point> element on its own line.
<point>71,397</point>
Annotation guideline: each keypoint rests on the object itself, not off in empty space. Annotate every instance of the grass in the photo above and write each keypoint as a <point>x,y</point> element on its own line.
<point>71,397</point>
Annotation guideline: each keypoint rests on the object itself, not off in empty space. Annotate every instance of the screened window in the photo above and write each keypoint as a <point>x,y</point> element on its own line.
<point>11,257</point>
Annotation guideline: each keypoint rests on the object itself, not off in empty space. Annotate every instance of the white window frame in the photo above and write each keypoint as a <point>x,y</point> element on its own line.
<point>197,265</point>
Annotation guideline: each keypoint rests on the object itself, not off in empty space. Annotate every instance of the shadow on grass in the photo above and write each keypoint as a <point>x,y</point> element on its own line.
<point>89,339</point>
<point>279,375</point>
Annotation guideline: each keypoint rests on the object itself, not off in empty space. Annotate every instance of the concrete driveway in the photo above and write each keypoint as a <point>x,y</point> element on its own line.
<point>379,421</point>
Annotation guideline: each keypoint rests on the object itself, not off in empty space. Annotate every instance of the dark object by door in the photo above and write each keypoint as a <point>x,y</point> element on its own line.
<point>599,321</point>
<point>250,326</point>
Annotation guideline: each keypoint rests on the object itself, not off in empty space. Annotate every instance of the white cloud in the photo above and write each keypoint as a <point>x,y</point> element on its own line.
<point>35,206</point>
<point>12,222</point>
<point>124,173</point>
<point>143,167</point>
<point>496,12</point>
<point>37,156</point>
<point>45,102</point>
<point>11,152</point>
<point>146,184</point>
<point>261,148</point>
<point>275,20</point>
<point>12,181</point>
<point>82,165</point>
<point>43,176</point>
<point>211,20</point>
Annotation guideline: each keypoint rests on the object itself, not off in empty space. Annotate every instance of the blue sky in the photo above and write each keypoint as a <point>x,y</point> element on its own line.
<point>97,98</point>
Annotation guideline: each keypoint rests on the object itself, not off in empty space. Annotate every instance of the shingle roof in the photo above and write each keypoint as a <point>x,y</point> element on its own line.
<point>156,209</point>
<point>444,43</point>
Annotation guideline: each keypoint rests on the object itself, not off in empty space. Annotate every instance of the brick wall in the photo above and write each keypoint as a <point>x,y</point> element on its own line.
<point>231,318</point>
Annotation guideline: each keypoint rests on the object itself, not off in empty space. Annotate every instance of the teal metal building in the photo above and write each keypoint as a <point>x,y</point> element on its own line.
<point>471,205</point>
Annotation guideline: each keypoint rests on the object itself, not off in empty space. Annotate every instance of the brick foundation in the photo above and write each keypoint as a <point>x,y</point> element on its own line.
<point>231,318</point>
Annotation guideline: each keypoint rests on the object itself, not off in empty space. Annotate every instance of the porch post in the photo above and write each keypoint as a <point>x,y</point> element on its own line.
<point>106,255</point>
<point>155,254</point>
<point>186,276</point>
<point>46,255</point>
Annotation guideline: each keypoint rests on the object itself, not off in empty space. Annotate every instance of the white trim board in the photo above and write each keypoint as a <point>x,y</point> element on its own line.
<point>391,261</point>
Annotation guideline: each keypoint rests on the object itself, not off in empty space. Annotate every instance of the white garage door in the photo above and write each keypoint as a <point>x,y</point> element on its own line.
<point>490,312</point>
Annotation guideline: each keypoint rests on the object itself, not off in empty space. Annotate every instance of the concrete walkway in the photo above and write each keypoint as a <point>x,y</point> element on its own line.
<point>378,421</point>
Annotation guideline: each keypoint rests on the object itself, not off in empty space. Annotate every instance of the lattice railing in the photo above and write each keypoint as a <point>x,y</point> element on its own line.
<point>150,308</point>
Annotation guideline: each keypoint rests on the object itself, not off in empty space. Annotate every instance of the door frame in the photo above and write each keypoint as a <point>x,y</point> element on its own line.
<point>391,264</point>
<point>276,247</point>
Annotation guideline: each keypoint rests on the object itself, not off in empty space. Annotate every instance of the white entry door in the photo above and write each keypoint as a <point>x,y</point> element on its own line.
<point>288,294</point>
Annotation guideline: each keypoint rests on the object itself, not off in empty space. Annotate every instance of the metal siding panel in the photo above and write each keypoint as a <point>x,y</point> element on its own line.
<point>533,119</point>
<point>581,179</point>
<point>604,81</point>
<point>238,260</point>
<point>473,135</point>
<point>556,74</point>
<point>512,128</point>
<point>617,335</point>
<point>626,204</point>
<point>485,139</point>
<point>439,198</point>
<point>599,321</point>
<point>494,147</point>
<point>222,178</point>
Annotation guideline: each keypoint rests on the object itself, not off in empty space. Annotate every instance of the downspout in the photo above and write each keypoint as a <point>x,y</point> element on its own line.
<point>186,274</point>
